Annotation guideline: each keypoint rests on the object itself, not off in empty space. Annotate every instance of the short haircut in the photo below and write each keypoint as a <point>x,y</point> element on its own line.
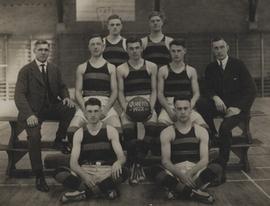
<point>92,102</point>
<point>39,42</point>
<point>133,39</point>
<point>178,42</point>
<point>157,13</point>
<point>182,98</point>
<point>114,16</point>
<point>217,38</point>
<point>95,36</point>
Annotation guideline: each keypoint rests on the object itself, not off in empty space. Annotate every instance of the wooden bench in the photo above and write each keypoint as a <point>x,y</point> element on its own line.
<point>241,142</point>
<point>16,149</point>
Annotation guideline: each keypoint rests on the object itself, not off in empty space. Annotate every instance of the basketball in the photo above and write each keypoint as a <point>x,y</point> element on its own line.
<point>138,109</point>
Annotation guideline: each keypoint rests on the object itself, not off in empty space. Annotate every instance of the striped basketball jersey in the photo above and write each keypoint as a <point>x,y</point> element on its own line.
<point>96,81</point>
<point>157,52</point>
<point>115,53</point>
<point>137,82</point>
<point>185,147</point>
<point>96,147</point>
<point>177,83</point>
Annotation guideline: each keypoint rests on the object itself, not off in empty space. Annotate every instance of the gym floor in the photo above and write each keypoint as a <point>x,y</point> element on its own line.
<point>252,188</point>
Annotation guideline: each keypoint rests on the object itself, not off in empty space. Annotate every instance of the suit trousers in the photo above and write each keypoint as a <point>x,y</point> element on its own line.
<point>207,109</point>
<point>57,112</point>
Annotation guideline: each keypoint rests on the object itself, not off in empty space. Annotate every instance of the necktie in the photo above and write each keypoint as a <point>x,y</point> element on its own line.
<point>221,65</point>
<point>44,75</point>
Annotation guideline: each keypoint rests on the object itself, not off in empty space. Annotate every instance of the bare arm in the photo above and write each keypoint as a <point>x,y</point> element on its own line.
<point>195,86</point>
<point>163,72</point>
<point>79,84</point>
<point>153,96</point>
<point>121,159</point>
<point>166,137</point>
<point>202,134</point>
<point>113,96</point>
<point>114,137</point>
<point>121,96</point>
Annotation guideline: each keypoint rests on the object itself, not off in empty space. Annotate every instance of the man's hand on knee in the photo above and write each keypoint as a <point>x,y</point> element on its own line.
<point>32,121</point>
<point>116,170</point>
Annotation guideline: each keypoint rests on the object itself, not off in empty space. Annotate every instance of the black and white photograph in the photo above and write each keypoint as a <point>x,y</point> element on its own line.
<point>134,102</point>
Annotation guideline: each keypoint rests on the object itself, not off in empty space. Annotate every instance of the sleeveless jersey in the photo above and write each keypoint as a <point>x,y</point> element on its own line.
<point>96,81</point>
<point>96,147</point>
<point>185,147</point>
<point>138,82</point>
<point>115,53</point>
<point>177,84</point>
<point>157,52</point>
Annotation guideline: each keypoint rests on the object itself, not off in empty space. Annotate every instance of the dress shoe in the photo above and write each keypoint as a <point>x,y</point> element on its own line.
<point>41,184</point>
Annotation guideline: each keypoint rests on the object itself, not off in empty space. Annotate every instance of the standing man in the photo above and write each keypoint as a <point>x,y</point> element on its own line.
<point>137,77</point>
<point>115,45</point>
<point>156,45</point>
<point>230,93</point>
<point>97,159</point>
<point>177,78</point>
<point>184,152</point>
<point>96,78</point>
<point>40,94</point>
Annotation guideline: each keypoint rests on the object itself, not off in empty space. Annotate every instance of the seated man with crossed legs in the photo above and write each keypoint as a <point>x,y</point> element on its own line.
<point>96,159</point>
<point>184,146</point>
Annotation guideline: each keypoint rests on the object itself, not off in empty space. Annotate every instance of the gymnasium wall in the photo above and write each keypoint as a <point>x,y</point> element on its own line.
<point>196,20</point>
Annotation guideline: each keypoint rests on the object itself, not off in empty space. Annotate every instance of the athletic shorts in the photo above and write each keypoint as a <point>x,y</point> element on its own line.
<point>97,173</point>
<point>165,119</point>
<point>104,101</point>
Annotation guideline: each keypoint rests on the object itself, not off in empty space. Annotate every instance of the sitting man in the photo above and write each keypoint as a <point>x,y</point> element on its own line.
<point>95,78</point>
<point>184,147</point>
<point>96,159</point>
<point>175,79</point>
<point>137,77</point>
<point>40,95</point>
<point>230,93</point>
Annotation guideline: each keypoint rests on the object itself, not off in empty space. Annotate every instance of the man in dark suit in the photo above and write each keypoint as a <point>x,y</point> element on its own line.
<point>40,94</point>
<point>230,93</point>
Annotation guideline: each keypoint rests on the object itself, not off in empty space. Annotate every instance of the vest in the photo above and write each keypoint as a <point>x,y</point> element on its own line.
<point>138,82</point>
<point>115,53</point>
<point>185,147</point>
<point>96,147</point>
<point>96,81</point>
<point>157,52</point>
<point>177,84</point>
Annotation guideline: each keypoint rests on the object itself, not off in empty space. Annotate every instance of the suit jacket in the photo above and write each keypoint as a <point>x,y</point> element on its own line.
<point>234,85</point>
<point>30,90</point>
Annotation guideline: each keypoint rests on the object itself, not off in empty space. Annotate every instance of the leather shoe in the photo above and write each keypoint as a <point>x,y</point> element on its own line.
<point>41,184</point>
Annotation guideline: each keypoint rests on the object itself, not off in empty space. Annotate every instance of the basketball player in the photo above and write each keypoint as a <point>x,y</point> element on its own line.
<point>137,77</point>
<point>184,146</point>
<point>96,161</point>
<point>156,44</point>
<point>96,78</point>
<point>115,44</point>
<point>177,78</point>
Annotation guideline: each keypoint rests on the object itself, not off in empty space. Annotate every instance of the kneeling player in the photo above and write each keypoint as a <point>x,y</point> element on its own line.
<point>184,147</point>
<point>96,159</point>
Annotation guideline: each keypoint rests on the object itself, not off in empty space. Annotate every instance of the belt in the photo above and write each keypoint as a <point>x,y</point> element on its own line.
<point>97,163</point>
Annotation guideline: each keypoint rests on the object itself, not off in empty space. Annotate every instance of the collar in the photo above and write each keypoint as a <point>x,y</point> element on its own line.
<point>39,63</point>
<point>224,62</point>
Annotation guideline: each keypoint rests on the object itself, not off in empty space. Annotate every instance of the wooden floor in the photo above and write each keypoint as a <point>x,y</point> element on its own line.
<point>242,188</point>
